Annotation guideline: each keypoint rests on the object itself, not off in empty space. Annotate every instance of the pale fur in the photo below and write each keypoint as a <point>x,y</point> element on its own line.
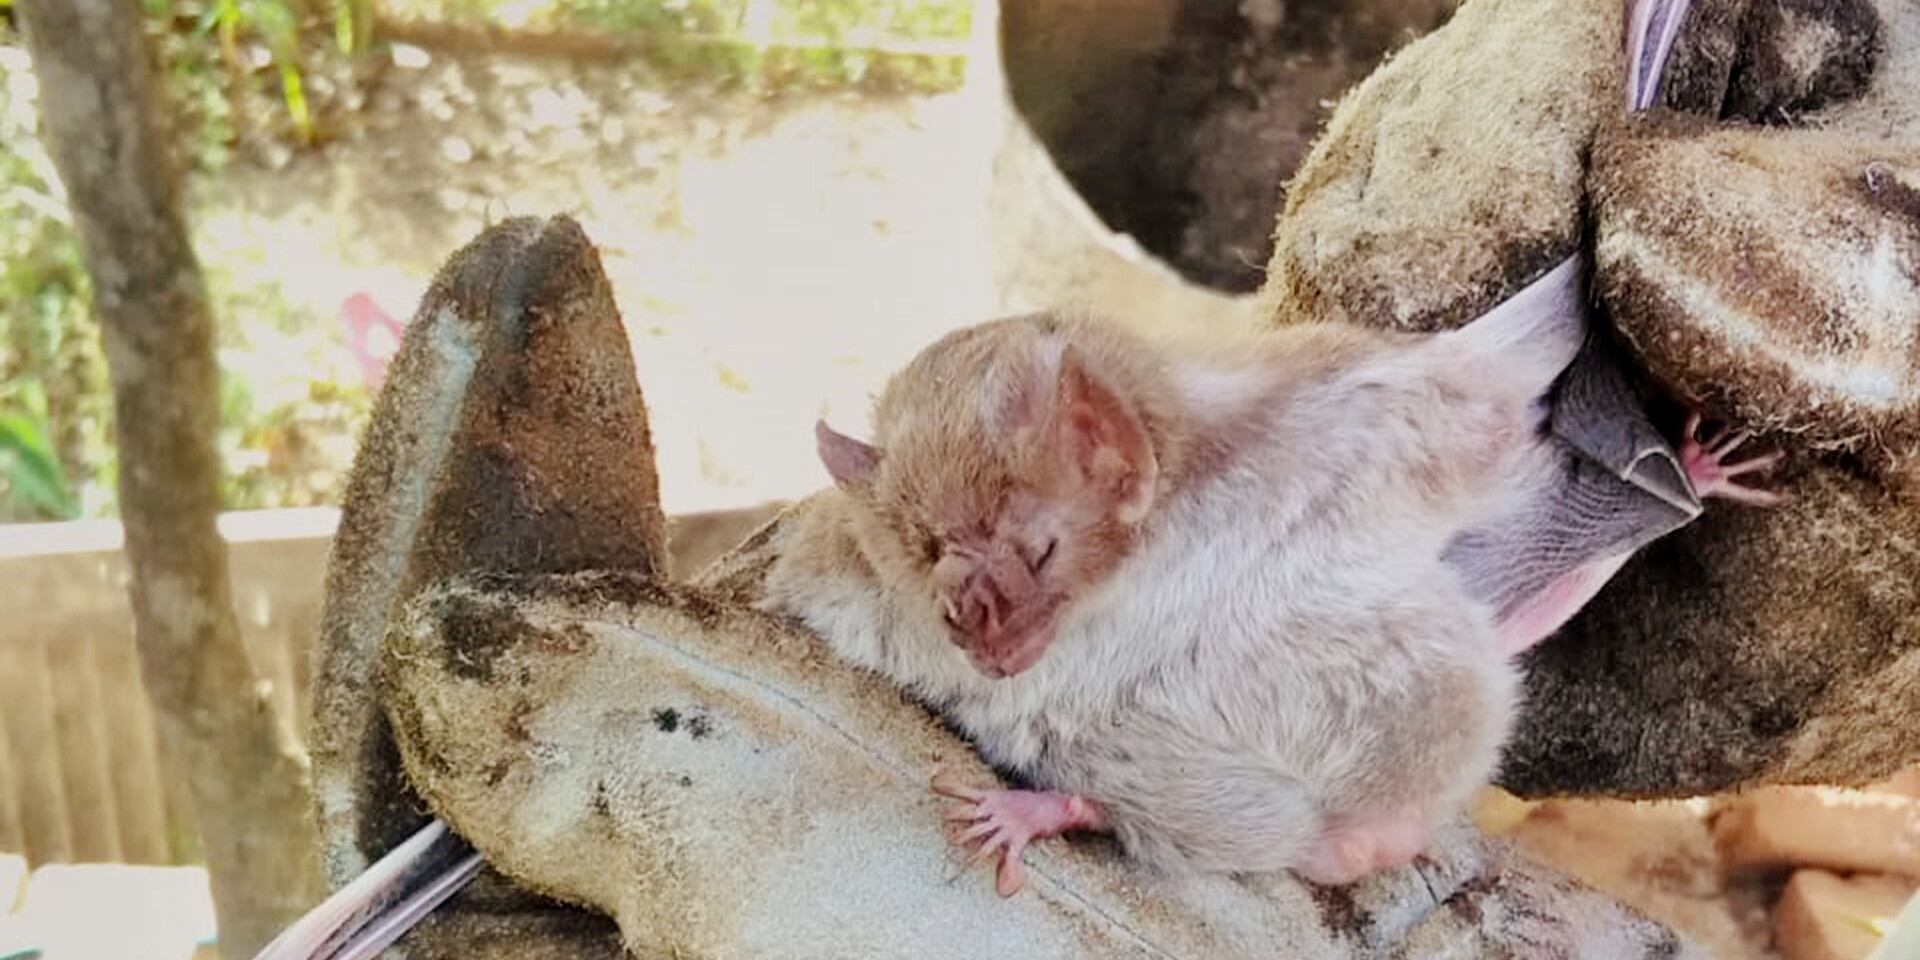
<point>1281,651</point>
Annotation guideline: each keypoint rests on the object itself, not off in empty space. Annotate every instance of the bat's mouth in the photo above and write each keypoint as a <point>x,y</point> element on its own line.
<point>1001,665</point>
<point>1015,647</point>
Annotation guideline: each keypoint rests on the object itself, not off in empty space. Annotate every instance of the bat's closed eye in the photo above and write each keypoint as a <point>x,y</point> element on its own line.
<point>1046,556</point>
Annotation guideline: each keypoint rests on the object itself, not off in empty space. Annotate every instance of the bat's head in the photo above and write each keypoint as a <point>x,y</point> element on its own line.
<point>1009,480</point>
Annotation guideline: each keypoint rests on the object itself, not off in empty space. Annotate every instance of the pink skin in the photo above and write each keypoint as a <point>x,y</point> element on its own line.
<point>1347,852</point>
<point>1711,476</point>
<point>1003,822</point>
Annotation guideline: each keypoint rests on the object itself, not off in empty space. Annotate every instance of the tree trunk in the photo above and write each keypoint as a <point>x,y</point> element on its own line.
<point>102,110</point>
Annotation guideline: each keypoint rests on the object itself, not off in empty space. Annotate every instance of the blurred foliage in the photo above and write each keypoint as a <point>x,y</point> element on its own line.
<point>767,45</point>
<point>272,75</point>
<point>289,401</point>
<point>54,406</point>
<point>269,77</point>
<point>35,481</point>
<point>841,21</point>
<point>714,17</point>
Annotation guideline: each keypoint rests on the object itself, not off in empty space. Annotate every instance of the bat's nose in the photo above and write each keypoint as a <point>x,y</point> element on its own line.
<point>984,610</point>
<point>1000,624</point>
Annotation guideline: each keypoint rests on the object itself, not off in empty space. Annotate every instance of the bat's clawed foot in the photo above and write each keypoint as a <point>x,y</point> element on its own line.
<point>1713,475</point>
<point>1000,823</point>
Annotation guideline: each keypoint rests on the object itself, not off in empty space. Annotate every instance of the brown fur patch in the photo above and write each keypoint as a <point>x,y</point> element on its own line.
<point>1884,189</point>
<point>1703,57</point>
<point>1761,271</point>
<point>1797,56</point>
<point>1452,174</point>
<point>481,633</point>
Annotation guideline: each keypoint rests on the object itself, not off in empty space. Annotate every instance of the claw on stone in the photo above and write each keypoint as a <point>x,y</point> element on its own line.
<point>1000,823</point>
<point>1712,475</point>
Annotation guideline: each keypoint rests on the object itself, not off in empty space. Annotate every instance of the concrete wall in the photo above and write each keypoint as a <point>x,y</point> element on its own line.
<point>82,777</point>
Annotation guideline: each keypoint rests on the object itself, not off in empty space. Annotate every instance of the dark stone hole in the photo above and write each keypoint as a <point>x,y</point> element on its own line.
<point>1180,120</point>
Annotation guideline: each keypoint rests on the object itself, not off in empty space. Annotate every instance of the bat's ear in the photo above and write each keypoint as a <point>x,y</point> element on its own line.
<point>849,461</point>
<point>1104,441</point>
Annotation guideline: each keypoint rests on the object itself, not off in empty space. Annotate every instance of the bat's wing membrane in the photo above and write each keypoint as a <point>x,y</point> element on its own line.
<point>1615,484</point>
<point>1537,332</point>
<point>367,915</point>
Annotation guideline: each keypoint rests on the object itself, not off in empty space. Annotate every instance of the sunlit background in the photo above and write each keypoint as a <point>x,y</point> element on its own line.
<point>770,183</point>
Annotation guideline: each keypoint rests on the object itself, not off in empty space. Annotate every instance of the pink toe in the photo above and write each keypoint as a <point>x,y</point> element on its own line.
<point>1007,879</point>
<point>1002,822</point>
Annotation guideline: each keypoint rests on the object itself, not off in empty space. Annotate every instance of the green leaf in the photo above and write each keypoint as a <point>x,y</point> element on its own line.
<point>294,92</point>
<point>223,15</point>
<point>33,474</point>
<point>343,26</point>
<point>209,18</point>
<point>276,23</point>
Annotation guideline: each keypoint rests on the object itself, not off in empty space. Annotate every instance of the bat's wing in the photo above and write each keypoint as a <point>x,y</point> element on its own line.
<point>1537,332</point>
<point>1608,483</point>
<point>1639,484</point>
<point>1545,340</point>
<point>367,915</point>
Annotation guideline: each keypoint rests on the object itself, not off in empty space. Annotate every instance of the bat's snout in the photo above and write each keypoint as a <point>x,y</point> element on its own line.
<point>1001,634</point>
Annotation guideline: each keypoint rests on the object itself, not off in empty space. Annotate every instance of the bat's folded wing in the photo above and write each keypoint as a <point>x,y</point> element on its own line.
<point>1629,488</point>
<point>1639,482</point>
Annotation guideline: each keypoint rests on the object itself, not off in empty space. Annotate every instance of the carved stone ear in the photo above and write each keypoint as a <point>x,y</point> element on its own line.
<point>849,461</point>
<point>1104,441</point>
